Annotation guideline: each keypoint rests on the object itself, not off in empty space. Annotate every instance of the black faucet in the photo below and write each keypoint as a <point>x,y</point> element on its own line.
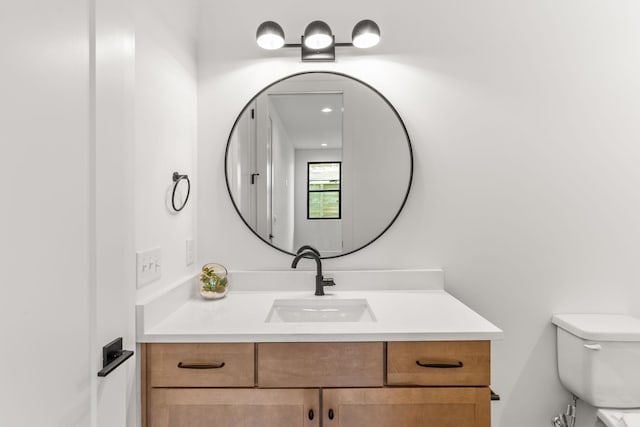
<point>309,252</point>
<point>308,248</point>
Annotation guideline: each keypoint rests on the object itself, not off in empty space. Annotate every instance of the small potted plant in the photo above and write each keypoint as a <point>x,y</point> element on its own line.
<point>215,283</point>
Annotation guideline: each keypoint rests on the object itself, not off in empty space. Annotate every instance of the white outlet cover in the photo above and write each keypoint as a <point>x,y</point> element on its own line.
<point>190,251</point>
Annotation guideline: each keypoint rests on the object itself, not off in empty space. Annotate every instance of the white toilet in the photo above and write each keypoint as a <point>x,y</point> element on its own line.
<point>599,362</point>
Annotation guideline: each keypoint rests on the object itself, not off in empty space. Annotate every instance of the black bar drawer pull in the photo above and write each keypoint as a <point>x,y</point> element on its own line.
<point>200,365</point>
<point>440,365</point>
<point>113,356</point>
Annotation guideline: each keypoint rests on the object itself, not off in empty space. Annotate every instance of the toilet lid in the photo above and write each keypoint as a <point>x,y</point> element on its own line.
<point>600,327</point>
<point>619,417</point>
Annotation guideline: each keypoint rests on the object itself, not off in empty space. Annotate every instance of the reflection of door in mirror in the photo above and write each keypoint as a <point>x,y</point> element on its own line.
<point>242,154</point>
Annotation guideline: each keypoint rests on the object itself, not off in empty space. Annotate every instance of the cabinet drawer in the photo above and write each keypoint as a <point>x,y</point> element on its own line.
<point>320,365</point>
<point>439,363</point>
<point>201,365</point>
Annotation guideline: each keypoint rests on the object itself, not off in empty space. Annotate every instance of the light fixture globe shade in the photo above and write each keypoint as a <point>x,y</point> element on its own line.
<point>365,34</point>
<point>318,35</point>
<point>270,35</point>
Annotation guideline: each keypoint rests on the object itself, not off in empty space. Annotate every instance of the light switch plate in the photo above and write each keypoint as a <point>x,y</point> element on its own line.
<point>190,252</point>
<point>148,266</point>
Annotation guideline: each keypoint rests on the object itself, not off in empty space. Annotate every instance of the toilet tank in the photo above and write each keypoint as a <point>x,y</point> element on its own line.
<point>599,358</point>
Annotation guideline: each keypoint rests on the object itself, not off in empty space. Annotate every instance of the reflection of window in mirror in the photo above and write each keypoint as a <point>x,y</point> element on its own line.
<point>323,190</point>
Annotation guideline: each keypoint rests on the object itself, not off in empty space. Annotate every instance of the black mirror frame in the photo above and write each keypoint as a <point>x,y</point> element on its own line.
<point>404,128</point>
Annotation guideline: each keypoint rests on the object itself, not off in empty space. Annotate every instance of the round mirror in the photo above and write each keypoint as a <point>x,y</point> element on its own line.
<point>319,159</point>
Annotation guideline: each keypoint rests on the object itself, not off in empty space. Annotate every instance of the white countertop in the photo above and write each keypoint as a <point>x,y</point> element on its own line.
<point>406,313</point>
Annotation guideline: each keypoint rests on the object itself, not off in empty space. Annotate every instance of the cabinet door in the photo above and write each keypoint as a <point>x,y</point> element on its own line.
<point>234,407</point>
<point>407,407</point>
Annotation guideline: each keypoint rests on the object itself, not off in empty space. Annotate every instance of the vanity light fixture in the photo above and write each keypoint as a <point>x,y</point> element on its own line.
<point>318,35</point>
<point>318,42</point>
<point>270,36</point>
<point>365,34</point>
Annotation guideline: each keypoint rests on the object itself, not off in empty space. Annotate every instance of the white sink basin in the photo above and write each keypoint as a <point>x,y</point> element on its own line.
<point>320,310</point>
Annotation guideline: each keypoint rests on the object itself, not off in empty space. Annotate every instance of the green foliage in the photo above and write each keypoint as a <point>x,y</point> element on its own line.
<point>211,282</point>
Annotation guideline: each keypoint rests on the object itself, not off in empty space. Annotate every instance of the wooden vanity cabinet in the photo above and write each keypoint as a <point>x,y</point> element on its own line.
<point>341,384</point>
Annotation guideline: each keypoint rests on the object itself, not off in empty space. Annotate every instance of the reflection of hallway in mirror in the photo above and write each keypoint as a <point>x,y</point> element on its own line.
<point>306,127</point>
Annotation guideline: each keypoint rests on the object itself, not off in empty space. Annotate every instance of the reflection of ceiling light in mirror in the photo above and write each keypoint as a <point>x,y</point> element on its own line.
<point>326,110</point>
<point>324,144</point>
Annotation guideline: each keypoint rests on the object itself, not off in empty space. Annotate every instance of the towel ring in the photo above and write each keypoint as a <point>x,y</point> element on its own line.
<point>176,180</point>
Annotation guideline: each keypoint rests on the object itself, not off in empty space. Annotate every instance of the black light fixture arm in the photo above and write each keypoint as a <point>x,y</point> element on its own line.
<point>299,45</point>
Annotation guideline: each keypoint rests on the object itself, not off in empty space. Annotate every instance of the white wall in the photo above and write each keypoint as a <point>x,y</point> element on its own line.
<point>165,132</point>
<point>45,248</point>
<point>635,301</point>
<point>523,118</point>
<point>635,304</point>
